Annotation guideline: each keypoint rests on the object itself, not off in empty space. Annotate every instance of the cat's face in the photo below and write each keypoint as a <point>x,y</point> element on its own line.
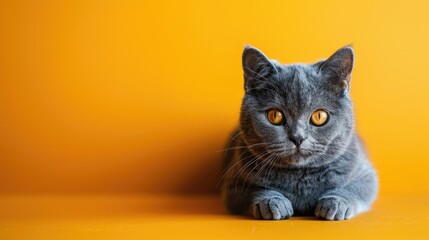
<point>297,115</point>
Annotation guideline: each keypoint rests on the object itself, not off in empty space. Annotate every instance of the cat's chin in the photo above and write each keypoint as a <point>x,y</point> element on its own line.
<point>286,163</point>
<point>297,159</point>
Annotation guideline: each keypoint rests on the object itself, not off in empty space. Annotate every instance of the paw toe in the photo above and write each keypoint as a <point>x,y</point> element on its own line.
<point>272,209</point>
<point>334,208</point>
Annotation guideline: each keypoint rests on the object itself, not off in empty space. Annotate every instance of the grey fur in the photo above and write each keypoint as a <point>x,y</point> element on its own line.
<point>265,176</point>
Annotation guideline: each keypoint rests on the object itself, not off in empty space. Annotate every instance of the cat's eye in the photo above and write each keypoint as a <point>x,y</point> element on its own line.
<point>275,116</point>
<point>319,117</point>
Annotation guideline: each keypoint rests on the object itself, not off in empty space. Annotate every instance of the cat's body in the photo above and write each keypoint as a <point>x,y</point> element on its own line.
<point>274,171</point>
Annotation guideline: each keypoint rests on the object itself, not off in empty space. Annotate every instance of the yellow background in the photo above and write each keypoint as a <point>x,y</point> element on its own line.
<point>138,96</point>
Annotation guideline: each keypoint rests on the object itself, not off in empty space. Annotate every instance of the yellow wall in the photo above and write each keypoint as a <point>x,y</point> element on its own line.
<point>137,96</point>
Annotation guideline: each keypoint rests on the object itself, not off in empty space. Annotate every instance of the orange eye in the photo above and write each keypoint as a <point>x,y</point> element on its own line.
<point>319,117</point>
<point>275,116</point>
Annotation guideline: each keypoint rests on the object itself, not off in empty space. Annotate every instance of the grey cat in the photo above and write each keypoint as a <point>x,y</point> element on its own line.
<point>295,151</point>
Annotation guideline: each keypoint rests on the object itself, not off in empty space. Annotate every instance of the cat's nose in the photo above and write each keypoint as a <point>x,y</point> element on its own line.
<point>297,140</point>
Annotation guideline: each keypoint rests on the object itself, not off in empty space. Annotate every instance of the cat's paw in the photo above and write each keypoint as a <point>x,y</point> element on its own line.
<point>335,208</point>
<point>272,208</point>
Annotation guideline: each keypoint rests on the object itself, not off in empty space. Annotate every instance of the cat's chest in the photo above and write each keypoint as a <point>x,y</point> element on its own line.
<point>301,183</point>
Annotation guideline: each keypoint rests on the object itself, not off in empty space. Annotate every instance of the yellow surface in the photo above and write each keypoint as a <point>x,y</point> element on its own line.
<point>133,217</point>
<point>93,93</point>
<point>137,97</point>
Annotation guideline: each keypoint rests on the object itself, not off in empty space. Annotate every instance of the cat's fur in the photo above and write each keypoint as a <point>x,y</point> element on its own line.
<point>265,176</point>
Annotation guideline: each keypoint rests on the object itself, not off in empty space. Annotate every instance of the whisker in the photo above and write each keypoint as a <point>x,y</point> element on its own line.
<point>230,168</point>
<point>243,168</point>
<point>276,158</point>
<point>250,172</point>
<point>240,147</point>
<point>266,163</point>
<point>233,139</point>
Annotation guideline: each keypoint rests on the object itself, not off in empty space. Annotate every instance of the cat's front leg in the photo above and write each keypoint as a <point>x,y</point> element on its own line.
<point>270,205</point>
<point>347,201</point>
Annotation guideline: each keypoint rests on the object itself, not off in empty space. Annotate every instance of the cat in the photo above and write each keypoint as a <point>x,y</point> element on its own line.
<point>295,151</point>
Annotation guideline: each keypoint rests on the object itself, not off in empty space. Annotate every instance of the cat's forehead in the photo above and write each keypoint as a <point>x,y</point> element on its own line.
<point>299,83</point>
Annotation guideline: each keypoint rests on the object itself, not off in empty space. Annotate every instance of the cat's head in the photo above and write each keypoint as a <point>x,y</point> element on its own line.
<point>298,114</point>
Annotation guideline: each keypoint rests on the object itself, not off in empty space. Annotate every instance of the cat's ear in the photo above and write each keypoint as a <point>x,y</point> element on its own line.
<point>338,68</point>
<point>256,66</point>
